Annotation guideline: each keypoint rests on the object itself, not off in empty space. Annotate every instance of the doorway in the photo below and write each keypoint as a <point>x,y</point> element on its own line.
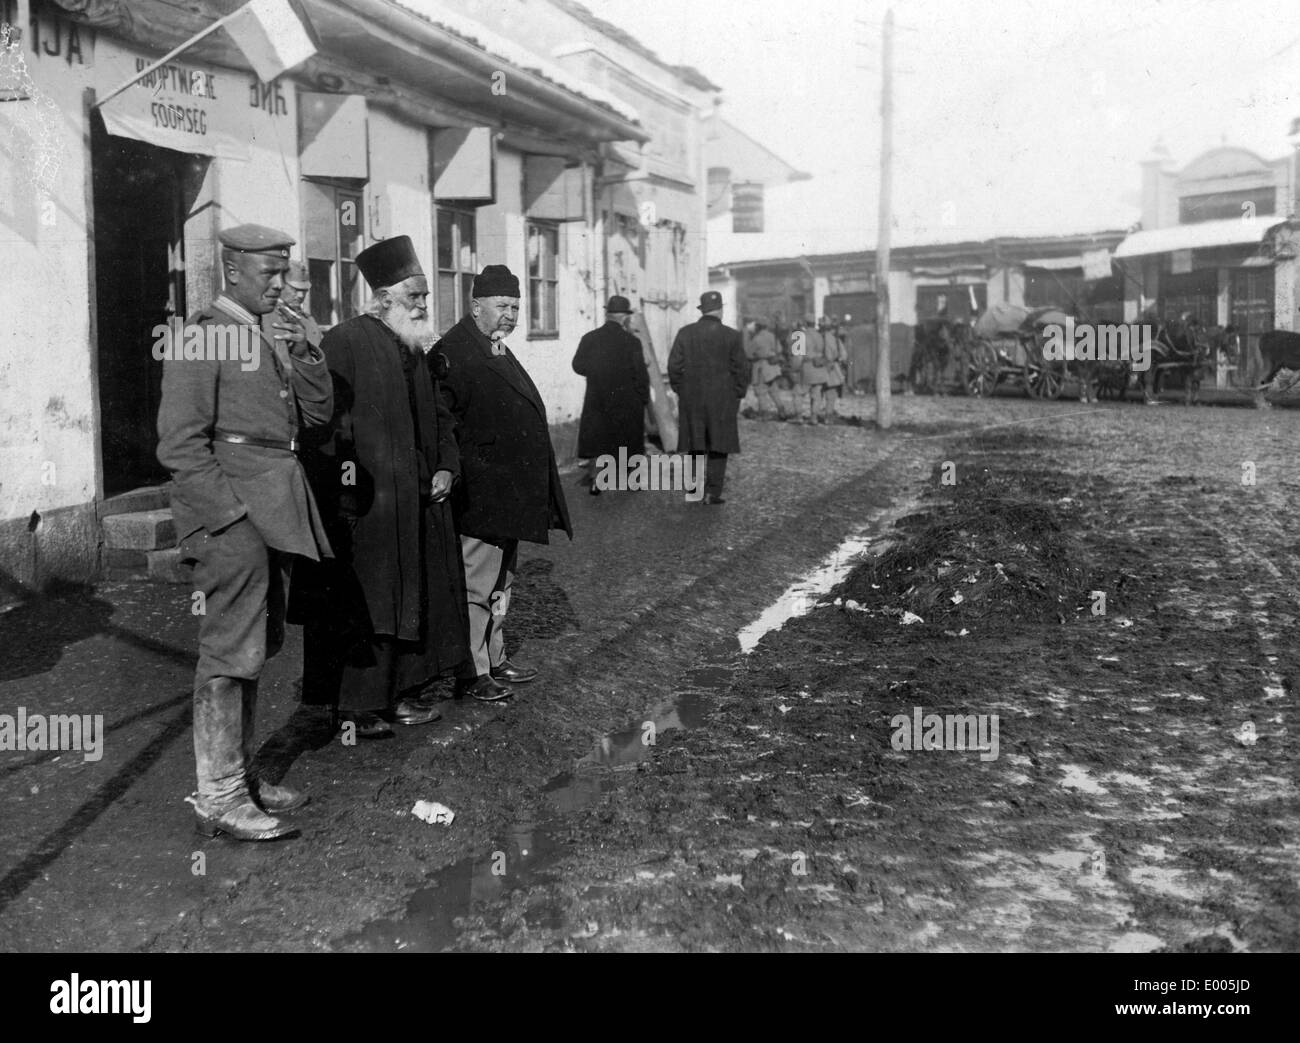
<point>139,206</point>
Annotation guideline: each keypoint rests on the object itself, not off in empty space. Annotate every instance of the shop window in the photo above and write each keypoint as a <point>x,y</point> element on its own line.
<point>334,218</point>
<point>456,251</point>
<point>1049,288</point>
<point>952,301</point>
<point>543,282</point>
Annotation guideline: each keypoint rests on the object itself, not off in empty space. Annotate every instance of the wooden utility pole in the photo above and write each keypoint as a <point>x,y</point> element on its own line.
<point>884,404</point>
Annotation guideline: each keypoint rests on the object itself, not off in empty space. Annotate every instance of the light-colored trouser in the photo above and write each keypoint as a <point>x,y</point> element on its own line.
<point>813,404</point>
<point>832,398</point>
<point>766,400</point>
<point>489,573</point>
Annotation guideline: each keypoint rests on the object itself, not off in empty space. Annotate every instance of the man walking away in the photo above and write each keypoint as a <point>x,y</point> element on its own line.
<point>618,389</point>
<point>708,370</point>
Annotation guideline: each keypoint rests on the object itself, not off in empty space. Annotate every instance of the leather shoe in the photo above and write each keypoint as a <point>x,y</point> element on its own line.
<point>710,498</point>
<point>412,711</point>
<point>484,688</point>
<point>511,674</point>
<point>276,800</point>
<point>244,821</point>
<point>368,725</point>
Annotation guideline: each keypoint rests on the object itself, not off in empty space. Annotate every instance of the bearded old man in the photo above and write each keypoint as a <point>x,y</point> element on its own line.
<point>389,618</point>
<point>510,486</point>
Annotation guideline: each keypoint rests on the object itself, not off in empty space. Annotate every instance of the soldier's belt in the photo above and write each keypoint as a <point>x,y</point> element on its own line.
<point>292,445</point>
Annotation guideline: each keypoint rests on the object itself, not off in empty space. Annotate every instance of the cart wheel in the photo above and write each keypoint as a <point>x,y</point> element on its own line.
<point>982,371</point>
<point>1051,382</point>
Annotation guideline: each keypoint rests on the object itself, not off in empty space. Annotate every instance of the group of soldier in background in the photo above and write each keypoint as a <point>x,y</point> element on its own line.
<point>797,373</point>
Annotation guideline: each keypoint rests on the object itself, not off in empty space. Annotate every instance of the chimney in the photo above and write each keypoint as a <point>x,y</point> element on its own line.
<point>1153,178</point>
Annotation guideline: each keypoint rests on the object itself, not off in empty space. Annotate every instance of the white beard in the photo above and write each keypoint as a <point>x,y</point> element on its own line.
<point>415,334</point>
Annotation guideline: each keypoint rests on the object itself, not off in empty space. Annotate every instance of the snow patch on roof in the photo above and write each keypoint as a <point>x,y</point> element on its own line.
<point>514,54</point>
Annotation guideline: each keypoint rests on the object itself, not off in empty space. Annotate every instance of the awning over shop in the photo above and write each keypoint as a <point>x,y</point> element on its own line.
<point>1202,235</point>
<point>1056,264</point>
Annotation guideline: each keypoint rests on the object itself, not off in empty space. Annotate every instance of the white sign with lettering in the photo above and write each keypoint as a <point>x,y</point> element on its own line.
<point>184,105</point>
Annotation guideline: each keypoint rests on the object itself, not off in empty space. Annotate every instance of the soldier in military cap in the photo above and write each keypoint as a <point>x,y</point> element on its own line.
<point>297,284</point>
<point>243,510</point>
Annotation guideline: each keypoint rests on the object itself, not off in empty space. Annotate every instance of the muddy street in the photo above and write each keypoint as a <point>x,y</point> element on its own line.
<point>1013,676</point>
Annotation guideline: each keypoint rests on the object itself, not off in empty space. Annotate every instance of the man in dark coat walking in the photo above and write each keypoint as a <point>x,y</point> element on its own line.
<point>708,369</point>
<point>618,389</point>
<point>510,485</point>
<point>388,618</point>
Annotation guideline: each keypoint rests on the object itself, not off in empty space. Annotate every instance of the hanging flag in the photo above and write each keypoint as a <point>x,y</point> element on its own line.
<point>274,35</point>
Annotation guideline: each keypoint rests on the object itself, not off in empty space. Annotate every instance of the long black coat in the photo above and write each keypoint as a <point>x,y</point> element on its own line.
<point>510,485</point>
<point>618,390</point>
<point>400,562</point>
<point>708,369</point>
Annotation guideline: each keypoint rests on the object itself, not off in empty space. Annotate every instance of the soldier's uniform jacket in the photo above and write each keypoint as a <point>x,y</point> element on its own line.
<point>509,484</point>
<point>765,356</point>
<point>708,370</point>
<point>836,356</point>
<point>813,370</point>
<point>216,483</point>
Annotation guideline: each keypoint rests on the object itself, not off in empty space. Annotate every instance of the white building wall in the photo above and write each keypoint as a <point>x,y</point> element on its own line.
<point>49,448</point>
<point>398,198</point>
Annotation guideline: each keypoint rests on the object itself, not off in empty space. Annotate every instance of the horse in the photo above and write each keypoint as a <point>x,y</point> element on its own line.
<point>1180,345</point>
<point>932,346</point>
<point>1280,349</point>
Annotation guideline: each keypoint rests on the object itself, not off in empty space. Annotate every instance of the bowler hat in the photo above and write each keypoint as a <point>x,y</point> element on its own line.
<point>619,306</point>
<point>389,262</point>
<point>710,300</point>
<point>496,280</point>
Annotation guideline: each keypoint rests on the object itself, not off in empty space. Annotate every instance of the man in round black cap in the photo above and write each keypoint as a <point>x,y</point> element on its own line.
<point>618,389</point>
<point>708,370</point>
<point>228,431</point>
<point>387,620</point>
<point>510,486</point>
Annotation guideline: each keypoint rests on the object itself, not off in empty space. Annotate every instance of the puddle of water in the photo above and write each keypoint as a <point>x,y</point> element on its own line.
<point>1078,778</point>
<point>800,597</point>
<point>524,859</point>
<point>1136,941</point>
<point>531,849</point>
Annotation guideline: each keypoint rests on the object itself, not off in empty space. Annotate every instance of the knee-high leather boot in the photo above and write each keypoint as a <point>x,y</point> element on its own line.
<point>268,796</point>
<point>224,804</point>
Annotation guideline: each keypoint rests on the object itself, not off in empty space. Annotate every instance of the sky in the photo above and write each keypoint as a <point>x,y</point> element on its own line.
<point>1011,117</point>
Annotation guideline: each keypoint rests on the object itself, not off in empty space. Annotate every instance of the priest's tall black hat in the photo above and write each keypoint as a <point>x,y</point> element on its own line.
<point>389,262</point>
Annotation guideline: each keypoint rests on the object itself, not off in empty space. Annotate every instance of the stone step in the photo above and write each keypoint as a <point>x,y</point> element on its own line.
<point>140,531</point>
<point>154,566</point>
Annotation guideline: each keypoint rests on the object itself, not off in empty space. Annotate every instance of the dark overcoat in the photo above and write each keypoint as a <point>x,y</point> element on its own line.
<point>708,369</point>
<point>397,545</point>
<point>618,390</point>
<point>510,484</point>
<point>216,483</point>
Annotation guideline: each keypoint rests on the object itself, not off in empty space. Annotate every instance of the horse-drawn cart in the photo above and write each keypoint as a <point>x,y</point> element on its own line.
<point>1009,342</point>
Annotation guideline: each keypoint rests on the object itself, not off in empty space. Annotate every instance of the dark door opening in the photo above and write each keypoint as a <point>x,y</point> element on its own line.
<point>140,205</point>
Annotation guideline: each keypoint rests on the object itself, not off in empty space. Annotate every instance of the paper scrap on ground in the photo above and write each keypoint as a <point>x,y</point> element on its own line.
<point>433,812</point>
